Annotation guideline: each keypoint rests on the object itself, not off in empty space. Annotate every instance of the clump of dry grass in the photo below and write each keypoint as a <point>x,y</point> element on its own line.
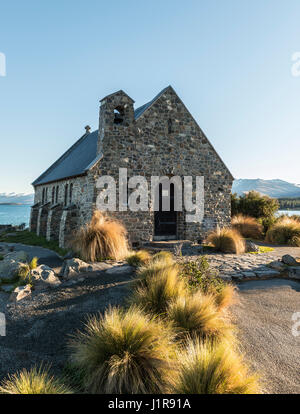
<point>213,368</point>
<point>139,258</point>
<point>100,239</point>
<point>285,231</point>
<point>159,285</point>
<point>197,314</point>
<point>163,257</point>
<point>247,226</point>
<point>124,352</point>
<point>34,381</point>
<point>227,240</point>
<point>225,297</point>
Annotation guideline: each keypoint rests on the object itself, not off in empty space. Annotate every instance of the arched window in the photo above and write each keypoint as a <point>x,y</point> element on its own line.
<point>118,115</point>
<point>66,194</point>
<point>46,195</point>
<point>43,196</point>
<point>56,195</point>
<point>71,193</point>
<point>53,195</point>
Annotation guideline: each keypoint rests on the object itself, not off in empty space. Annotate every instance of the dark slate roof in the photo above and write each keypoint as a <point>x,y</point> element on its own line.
<point>82,155</point>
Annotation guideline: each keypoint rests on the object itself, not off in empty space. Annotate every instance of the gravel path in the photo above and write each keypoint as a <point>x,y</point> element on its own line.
<point>264,319</point>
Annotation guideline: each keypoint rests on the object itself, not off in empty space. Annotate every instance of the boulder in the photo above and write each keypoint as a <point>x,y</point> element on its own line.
<point>294,272</point>
<point>20,293</point>
<point>277,265</point>
<point>74,267</point>
<point>19,256</point>
<point>43,277</point>
<point>251,247</point>
<point>289,260</point>
<point>9,269</point>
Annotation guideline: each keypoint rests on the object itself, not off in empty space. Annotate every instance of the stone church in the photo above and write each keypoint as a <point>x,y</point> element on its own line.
<point>160,138</point>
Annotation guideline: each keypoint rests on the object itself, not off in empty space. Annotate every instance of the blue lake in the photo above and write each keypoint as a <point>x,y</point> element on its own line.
<point>14,214</point>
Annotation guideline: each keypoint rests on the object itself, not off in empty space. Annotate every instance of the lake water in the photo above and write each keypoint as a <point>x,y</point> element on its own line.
<point>14,214</point>
<point>21,214</point>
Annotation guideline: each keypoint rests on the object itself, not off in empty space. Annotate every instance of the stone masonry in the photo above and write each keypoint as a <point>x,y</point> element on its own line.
<point>159,139</point>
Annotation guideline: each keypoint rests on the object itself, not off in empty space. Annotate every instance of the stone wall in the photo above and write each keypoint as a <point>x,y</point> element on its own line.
<point>164,140</point>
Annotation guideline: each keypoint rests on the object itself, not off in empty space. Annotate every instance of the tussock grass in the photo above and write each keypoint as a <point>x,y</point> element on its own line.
<point>213,368</point>
<point>285,231</point>
<point>158,287</point>
<point>225,297</point>
<point>139,258</point>
<point>100,239</point>
<point>247,226</point>
<point>164,257</point>
<point>34,381</point>
<point>33,264</point>
<point>124,352</point>
<point>197,314</point>
<point>227,240</point>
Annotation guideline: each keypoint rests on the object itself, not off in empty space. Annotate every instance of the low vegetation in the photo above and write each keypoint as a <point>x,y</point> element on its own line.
<point>139,258</point>
<point>102,238</point>
<point>197,314</point>
<point>247,226</point>
<point>213,368</point>
<point>285,231</point>
<point>34,381</point>
<point>159,289</point>
<point>124,352</point>
<point>29,238</point>
<point>226,240</point>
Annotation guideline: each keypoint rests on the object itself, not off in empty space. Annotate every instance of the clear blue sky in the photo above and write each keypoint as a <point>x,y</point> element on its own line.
<point>229,61</point>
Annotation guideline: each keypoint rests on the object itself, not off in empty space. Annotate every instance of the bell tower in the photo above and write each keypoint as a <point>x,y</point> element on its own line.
<point>116,118</point>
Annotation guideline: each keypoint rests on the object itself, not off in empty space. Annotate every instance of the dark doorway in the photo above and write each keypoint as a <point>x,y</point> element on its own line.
<point>165,222</point>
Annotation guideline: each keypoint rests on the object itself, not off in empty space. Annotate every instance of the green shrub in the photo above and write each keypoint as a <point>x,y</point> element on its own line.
<point>124,352</point>
<point>255,205</point>
<point>34,381</point>
<point>213,368</point>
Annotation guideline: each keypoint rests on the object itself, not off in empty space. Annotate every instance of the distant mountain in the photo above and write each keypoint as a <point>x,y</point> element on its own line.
<point>272,188</point>
<point>13,198</point>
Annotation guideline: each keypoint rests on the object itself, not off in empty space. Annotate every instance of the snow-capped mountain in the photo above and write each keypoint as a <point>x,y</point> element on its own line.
<point>272,188</point>
<point>13,198</point>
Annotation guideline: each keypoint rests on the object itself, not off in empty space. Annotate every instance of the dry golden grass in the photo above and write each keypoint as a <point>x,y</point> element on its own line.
<point>225,297</point>
<point>197,314</point>
<point>34,381</point>
<point>213,368</point>
<point>125,352</point>
<point>100,239</point>
<point>139,258</point>
<point>227,240</point>
<point>247,226</point>
<point>158,286</point>
<point>285,231</point>
<point>163,257</point>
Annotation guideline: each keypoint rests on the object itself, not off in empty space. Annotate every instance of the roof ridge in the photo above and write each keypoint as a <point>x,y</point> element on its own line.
<point>141,109</point>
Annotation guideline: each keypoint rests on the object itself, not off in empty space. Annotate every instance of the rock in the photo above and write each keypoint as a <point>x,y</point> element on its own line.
<point>289,260</point>
<point>43,276</point>
<point>251,247</point>
<point>294,272</point>
<point>69,255</point>
<point>20,293</point>
<point>267,273</point>
<point>120,270</point>
<point>9,269</point>
<point>20,256</point>
<point>249,275</point>
<point>277,266</point>
<point>74,267</point>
